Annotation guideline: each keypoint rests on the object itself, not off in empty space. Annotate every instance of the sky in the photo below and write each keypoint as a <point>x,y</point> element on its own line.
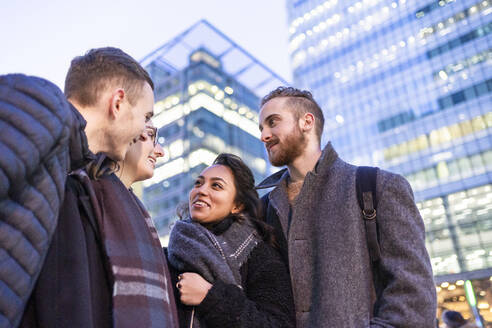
<point>41,37</point>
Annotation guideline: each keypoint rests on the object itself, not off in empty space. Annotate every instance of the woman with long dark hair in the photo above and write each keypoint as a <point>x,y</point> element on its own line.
<point>230,274</point>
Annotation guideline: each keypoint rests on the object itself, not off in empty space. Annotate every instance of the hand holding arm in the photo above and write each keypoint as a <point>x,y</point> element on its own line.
<point>192,288</point>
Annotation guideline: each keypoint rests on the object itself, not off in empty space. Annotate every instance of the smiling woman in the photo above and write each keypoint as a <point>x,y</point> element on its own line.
<point>212,197</point>
<point>229,269</point>
<point>140,160</point>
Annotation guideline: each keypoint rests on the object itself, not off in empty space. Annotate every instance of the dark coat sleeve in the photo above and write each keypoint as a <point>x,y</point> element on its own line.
<point>405,286</point>
<point>73,288</point>
<point>267,302</point>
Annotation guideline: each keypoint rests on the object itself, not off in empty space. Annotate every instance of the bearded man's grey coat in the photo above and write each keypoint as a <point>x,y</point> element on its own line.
<point>328,256</point>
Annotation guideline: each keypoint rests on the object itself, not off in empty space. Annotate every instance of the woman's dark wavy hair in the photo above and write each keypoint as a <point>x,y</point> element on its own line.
<point>246,195</point>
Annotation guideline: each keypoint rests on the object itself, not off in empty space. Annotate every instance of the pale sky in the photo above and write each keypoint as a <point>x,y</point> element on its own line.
<point>41,37</point>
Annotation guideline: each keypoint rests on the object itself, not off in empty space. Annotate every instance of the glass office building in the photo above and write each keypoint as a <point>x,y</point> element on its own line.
<point>407,86</point>
<point>207,92</point>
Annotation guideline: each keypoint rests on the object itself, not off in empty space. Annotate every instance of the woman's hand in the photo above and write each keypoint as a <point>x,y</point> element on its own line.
<point>192,288</point>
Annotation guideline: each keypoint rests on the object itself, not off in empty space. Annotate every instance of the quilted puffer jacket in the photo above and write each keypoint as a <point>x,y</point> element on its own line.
<point>41,140</point>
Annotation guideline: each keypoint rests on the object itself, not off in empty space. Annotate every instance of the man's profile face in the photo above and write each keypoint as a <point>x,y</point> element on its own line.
<point>131,123</point>
<point>280,132</point>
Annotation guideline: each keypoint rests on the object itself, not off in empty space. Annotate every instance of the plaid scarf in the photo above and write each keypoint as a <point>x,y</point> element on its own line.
<point>142,290</point>
<point>193,248</point>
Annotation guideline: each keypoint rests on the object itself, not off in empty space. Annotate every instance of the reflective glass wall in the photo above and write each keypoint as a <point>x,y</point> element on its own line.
<point>200,112</point>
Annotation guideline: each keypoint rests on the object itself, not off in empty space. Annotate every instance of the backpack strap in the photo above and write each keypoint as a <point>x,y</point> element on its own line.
<point>365,182</point>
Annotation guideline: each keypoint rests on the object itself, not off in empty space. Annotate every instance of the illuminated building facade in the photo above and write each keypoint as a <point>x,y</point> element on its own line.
<point>207,92</point>
<point>407,86</point>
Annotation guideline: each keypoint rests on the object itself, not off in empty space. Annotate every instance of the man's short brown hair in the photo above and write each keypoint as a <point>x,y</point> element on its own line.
<point>90,74</point>
<point>302,102</point>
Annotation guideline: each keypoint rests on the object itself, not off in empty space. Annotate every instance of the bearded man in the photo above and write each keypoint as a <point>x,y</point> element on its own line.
<point>321,231</point>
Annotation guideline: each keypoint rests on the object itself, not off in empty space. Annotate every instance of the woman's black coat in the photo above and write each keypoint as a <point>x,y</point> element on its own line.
<point>266,300</point>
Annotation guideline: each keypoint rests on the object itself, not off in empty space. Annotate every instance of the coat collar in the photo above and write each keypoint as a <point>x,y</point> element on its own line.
<point>274,179</point>
<point>80,154</point>
<point>328,157</point>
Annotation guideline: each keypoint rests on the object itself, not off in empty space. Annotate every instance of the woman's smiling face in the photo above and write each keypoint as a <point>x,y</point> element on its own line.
<point>212,197</point>
<point>142,155</point>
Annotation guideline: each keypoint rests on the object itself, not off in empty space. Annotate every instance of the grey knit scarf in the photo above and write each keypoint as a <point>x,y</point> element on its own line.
<point>193,248</point>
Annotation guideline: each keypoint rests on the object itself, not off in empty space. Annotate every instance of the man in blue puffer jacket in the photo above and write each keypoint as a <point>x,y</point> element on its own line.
<point>35,123</point>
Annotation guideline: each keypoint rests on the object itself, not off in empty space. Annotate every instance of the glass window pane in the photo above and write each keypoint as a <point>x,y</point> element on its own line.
<point>423,142</point>
<point>442,171</point>
<point>478,123</point>
<point>488,119</point>
<point>454,171</point>
<point>413,146</point>
<point>431,177</point>
<point>477,164</point>
<point>403,149</point>
<point>474,256</point>
<point>487,158</point>
<point>434,138</point>
<point>465,167</point>
<point>420,180</point>
<point>455,131</point>
<point>444,135</point>
<point>466,127</point>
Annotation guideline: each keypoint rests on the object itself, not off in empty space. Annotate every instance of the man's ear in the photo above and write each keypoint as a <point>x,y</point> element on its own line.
<point>237,209</point>
<point>307,122</point>
<point>116,101</point>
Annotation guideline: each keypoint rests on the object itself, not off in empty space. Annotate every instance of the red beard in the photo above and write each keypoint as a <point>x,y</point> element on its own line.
<point>288,149</point>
